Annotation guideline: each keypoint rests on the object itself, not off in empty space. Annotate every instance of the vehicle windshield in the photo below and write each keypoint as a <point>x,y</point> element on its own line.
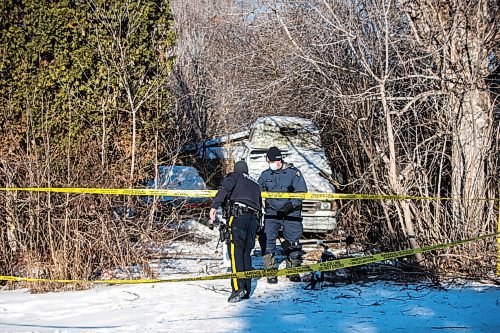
<point>177,178</point>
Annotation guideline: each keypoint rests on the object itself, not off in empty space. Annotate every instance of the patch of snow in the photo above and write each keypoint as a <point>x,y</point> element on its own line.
<point>284,307</point>
<point>202,307</point>
<point>200,229</point>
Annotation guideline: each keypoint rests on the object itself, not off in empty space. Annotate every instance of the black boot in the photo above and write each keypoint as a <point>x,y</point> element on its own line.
<point>292,277</point>
<point>294,260</point>
<point>270,263</point>
<point>237,296</point>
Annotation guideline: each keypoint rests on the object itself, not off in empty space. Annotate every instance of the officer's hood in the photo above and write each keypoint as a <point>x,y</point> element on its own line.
<point>241,167</point>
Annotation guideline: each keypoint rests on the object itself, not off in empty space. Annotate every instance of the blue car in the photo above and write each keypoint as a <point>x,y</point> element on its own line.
<point>179,178</point>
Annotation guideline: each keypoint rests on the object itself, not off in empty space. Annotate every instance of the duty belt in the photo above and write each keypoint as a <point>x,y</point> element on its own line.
<point>240,208</point>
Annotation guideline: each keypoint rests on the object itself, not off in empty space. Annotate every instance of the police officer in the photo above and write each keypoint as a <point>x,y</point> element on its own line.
<point>240,195</point>
<point>286,213</point>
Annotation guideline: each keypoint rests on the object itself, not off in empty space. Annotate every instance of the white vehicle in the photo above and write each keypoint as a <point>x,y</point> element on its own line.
<point>299,141</point>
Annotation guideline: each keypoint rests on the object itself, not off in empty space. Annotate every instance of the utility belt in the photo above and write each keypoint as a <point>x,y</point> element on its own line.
<point>237,209</point>
<point>234,209</point>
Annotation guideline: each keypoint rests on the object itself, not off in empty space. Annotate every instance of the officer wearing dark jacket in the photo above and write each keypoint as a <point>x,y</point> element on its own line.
<point>286,213</point>
<point>240,195</point>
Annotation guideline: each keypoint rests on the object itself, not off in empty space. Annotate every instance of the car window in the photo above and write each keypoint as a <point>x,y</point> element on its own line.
<point>177,178</point>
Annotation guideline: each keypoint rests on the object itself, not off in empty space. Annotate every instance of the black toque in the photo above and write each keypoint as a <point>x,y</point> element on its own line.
<point>241,166</point>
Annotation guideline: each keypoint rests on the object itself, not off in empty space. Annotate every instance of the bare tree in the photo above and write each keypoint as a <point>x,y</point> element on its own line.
<point>140,81</point>
<point>461,36</point>
<point>394,86</point>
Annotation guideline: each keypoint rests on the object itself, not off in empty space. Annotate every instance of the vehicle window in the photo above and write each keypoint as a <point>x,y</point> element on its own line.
<point>289,131</point>
<point>179,178</point>
<point>258,154</point>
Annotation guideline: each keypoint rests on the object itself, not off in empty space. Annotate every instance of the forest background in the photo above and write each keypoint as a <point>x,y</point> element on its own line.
<point>98,94</point>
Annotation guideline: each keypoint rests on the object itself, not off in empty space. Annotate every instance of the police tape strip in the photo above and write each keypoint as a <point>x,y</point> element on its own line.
<point>319,267</point>
<point>212,193</point>
<point>116,191</point>
<point>498,241</point>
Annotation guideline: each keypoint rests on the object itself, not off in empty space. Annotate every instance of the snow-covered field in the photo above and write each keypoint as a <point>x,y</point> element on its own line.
<point>285,307</point>
<point>202,307</point>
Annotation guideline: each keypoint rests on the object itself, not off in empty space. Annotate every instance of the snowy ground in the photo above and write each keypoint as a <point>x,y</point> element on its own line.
<point>285,307</point>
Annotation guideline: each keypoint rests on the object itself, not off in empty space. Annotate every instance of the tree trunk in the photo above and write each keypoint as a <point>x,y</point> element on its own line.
<point>469,151</point>
<point>406,217</point>
<point>460,35</point>
<point>11,220</point>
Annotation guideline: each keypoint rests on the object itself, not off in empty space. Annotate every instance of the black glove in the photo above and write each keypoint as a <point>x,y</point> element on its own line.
<point>285,210</point>
<point>260,230</point>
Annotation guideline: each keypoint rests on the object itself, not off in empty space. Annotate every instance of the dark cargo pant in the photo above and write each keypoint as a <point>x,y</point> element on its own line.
<point>243,229</point>
<point>292,230</point>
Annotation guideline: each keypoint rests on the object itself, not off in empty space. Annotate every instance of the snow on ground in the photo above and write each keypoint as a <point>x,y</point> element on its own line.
<point>285,307</point>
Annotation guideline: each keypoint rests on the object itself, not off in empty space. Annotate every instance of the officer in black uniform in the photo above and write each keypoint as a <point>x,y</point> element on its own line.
<point>285,213</point>
<point>240,195</point>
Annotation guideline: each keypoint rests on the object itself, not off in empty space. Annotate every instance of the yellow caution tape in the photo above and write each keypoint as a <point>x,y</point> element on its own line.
<point>498,241</point>
<point>212,193</point>
<point>116,191</point>
<point>333,196</point>
<point>319,267</point>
